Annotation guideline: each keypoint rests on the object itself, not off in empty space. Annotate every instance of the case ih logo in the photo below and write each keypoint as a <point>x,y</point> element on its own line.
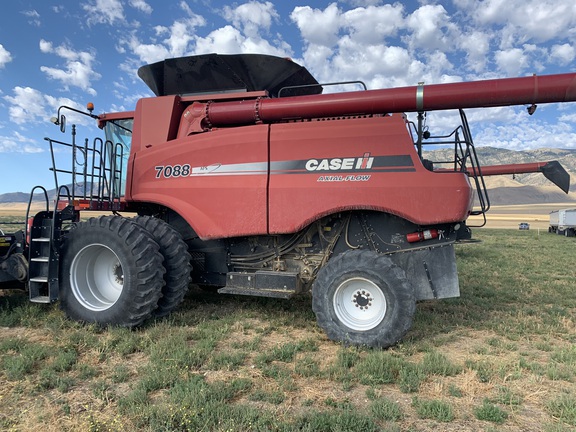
<point>362,163</point>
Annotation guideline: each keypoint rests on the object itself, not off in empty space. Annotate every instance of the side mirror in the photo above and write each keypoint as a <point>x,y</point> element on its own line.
<point>62,123</point>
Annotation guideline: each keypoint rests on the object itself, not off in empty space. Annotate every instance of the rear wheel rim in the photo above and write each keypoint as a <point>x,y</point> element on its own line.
<point>96,277</point>
<point>359,304</point>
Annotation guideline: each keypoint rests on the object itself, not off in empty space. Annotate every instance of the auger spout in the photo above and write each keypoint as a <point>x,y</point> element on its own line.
<point>476,94</point>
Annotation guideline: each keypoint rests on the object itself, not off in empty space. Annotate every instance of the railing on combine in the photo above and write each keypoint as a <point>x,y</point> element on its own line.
<point>464,158</point>
<point>94,175</point>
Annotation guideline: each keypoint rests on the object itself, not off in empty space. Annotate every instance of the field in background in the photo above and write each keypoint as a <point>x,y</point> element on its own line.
<point>501,357</point>
<point>537,215</point>
<point>500,216</point>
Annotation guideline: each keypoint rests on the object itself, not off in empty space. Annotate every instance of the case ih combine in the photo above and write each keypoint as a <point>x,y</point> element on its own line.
<point>245,178</point>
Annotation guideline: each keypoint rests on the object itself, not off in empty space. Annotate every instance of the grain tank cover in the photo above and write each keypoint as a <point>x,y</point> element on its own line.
<point>215,73</point>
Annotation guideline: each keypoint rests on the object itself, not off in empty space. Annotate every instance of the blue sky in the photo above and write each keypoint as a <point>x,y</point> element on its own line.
<point>73,52</point>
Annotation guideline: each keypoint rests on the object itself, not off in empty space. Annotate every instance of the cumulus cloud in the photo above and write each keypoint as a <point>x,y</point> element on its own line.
<point>78,71</point>
<point>379,44</point>
<point>371,25</point>
<point>525,134</point>
<point>431,28</point>
<point>18,143</point>
<point>476,44</point>
<point>251,17</point>
<point>30,106</point>
<point>536,20</point>
<point>141,5</point>
<point>104,11</point>
<point>248,23</point>
<point>563,54</point>
<point>172,41</point>
<point>318,27</point>
<point>512,61</point>
<point>229,40</point>
<point>5,56</point>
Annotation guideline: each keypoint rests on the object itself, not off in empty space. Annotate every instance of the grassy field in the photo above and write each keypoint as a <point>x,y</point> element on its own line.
<point>500,358</point>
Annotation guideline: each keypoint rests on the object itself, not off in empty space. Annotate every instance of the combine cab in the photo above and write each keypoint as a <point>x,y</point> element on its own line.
<point>247,179</point>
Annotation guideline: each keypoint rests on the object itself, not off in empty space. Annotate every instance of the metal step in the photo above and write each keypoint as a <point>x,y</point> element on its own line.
<point>40,299</point>
<point>262,284</point>
<point>39,279</point>
<point>279,293</point>
<point>40,259</point>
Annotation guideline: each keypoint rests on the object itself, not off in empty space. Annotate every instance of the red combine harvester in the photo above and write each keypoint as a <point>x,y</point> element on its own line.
<point>245,178</point>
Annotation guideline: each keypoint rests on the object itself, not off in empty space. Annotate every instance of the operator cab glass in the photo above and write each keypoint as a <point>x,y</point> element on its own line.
<point>118,141</point>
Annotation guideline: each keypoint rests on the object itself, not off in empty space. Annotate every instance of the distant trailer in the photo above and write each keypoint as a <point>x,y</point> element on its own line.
<point>563,222</point>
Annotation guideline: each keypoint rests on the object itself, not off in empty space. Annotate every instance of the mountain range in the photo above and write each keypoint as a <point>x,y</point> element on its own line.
<point>531,188</point>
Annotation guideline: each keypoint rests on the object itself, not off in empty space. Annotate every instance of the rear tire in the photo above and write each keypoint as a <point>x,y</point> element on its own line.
<point>110,273</point>
<point>176,262</point>
<point>363,298</point>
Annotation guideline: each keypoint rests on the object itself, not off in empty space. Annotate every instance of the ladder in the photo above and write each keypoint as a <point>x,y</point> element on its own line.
<point>45,237</point>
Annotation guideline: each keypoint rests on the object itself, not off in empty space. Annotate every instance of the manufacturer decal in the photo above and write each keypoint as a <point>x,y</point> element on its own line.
<point>362,163</point>
<point>348,178</point>
<point>332,169</point>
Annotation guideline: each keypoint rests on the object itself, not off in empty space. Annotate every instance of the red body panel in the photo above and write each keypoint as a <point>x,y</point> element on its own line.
<point>270,179</point>
<point>216,198</point>
<point>156,121</point>
<point>406,190</point>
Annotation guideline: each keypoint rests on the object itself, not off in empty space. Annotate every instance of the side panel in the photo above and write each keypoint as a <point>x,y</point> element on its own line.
<point>217,180</point>
<point>322,167</point>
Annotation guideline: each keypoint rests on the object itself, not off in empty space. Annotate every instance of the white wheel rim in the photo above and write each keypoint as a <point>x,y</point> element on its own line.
<point>359,304</point>
<point>96,277</point>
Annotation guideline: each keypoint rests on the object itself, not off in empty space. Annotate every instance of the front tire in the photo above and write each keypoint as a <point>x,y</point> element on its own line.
<point>176,262</point>
<point>110,272</point>
<point>363,298</point>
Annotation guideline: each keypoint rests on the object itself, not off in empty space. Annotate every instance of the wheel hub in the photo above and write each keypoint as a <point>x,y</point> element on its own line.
<point>118,274</point>
<point>359,304</point>
<point>362,299</point>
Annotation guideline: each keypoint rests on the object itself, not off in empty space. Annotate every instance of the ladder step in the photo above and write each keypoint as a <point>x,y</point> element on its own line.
<point>40,299</point>
<point>40,259</point>
<point>40,279</point>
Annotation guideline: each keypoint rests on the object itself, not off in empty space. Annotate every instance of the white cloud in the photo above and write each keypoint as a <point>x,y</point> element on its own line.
<point>30,106</point>
<point>27,104</point>
<point>476,44</point>
<point>18,143</point>
<point>178,39</point>
<point>78,71</point>
<point>34,17</point>
<point>104,11</point>
<point>5,56</point>
<point>527,134</point>
<point>141,5</point>
<point>318,27</point>
<point>228,40</point>
<point>563,54</point>
<point>512,61</point>
<point>181,37</point>
<point>431,28</point>
<point>537,20</point>
<point>252,17</point>
<point>370,25</point>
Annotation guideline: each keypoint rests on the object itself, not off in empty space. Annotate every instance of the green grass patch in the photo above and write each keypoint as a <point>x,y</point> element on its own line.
<point>433,409</point>
<point>564,408</point>
<point>490,412</point>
